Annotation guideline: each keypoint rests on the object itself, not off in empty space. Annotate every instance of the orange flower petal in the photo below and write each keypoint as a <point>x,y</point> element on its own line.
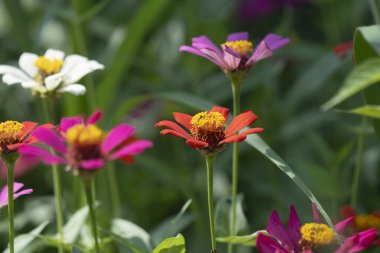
<point>183,119</point>
<point>196,144</point>
<point>28,127</point>
<point>173,126</point>
<point>240,121</point>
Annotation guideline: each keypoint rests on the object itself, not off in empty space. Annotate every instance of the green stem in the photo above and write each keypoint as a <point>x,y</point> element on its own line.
<point>235,165</point>
<point>375,7</point>
<point>358,165</point>
<point>88,187</point>
<point>10,162</point>
<point>210,166</point>
<point>114,192</point>
<point>48,104</point>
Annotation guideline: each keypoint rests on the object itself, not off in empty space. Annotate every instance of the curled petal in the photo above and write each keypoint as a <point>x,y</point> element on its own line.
<point>41,153</point>
<point>275,41</point>
<point>173,126</point>
<point>276,228</point>
<point>117,135</point>
<point>50,138</point>
<point>261,52</point>
<point>240,121</point>
<point>172,132</point>
<point>75,89</point>
<point>341,226</point>
<point>133,148</point>
<point>205,54</point>
<point>53,81</point>
<point>234,138</point>
<point>75,74</point>
<point>95,117</point>
<point>196,144</point>
<point>265,244</point>
<point>16,193</point>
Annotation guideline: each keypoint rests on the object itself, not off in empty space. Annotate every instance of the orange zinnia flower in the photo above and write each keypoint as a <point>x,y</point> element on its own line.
<point>208,131</point>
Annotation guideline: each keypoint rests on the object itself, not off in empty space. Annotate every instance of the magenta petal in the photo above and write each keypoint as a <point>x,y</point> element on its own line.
<point>279,231</point>
<point>69,122</point>
<point>117,135</point>
<point>94,117</point>
<point>16,194</point>
<point>261,52</point>
<point>204,42</point>
<point>265,244</point>
<point>275,41</point>
<point>238,36</point>
<point>134,148</point>
<point>50,138</point>
<point>24,164</point>
<point>363,240</point>
<point>93,164</point>
<point>4,196</point>
<point>341,226</point>
<point>294,225</point>
<point>316,216</point>
<point>44,155</point>
<point>206,54</point>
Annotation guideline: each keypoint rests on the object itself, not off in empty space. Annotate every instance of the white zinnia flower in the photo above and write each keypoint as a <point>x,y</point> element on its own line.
<point>51,73</point>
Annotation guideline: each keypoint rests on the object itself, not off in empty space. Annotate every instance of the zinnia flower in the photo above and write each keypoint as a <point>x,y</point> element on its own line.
<point>83,146</point>
<point>309,237</point>
<point>16,193</point>
<point>361,221</point>
<point>51,73</point>
<point>235,53</point>
<point>208,131</point>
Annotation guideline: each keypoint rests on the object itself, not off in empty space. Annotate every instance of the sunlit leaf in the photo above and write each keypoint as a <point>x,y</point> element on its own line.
<point>73,227</point>
<point>245,240</point>
<point>171,245</point>
<point>372,111</point>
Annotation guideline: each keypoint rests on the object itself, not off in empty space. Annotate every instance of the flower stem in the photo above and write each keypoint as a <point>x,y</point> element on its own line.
<point>10,162</point>
<point>210,166</point>
<point>115,196</point>
<point>48,104</point>
<point>88,187</point>
<point>358,165</point>
<point>375,7</point>
<point>235,164</point>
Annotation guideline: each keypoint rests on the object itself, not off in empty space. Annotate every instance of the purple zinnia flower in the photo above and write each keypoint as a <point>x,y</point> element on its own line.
<point>309,237</point>
<point>83,146</point>
<point>16,193</point>
<point>237,53</point>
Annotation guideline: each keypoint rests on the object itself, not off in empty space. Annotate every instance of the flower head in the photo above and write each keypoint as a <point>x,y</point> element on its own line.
<point>16,193</point>
<point>237,53</point>
<point>83,146</point>
<point>208,131</point>
<point>310,237</point>
<point>361,221</point>
<point>51,73</point>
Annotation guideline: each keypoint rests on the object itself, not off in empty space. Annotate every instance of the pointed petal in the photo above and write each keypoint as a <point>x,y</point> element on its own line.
<point>173,126</point>
<point>240,121</point>
<point>242,136</point>
<point>117,135</point>
<point>95,117</point>
<point>238,36</point>
<point>196,144</point>
<point>294,225</point>
<point>341,226</point>
<point>274,41</point>
<point>172,132</point>
<point>278,230</point>
<point>133,148</point>
<point>316,216</point>
<point>26,63</point>
<point>50,138</point>
<point>265,244</point>
<point>183,119</point>
<point>224,111</point>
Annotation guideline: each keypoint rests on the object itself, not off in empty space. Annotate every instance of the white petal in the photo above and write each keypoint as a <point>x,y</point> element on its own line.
<point>71,62</point>
<point>13,75</point>
<point>26,63</point>
<point>52,82</point>
<point>30,85</point>
<point>54,54</point>
<point>81,70</point>
<point>76,89</point>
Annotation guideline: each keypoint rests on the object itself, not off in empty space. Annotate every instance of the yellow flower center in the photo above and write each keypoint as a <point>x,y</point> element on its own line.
<point>48,66</point>
<point>10,132</point>
<point>205,120</point>
<point>316,234</point>
<point>84,136</point>
<point>366,221</point>
<point>241,47</point>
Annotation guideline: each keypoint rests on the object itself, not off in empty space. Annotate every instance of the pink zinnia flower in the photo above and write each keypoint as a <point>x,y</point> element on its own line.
<point>16,193</point>
<point>237,53</point>
<point>83,146</point>
<point>310,237</point>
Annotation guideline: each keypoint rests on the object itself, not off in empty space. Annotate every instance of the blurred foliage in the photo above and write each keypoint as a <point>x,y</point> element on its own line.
<point>146,79</point>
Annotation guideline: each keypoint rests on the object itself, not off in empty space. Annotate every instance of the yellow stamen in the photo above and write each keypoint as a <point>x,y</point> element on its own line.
<point>211,120</point>
<point>316,234</point>
<point>84,136</point>
<point>241,47</point>
<point>10,132</point>
<point>48,66</point>
<point>366,221</point>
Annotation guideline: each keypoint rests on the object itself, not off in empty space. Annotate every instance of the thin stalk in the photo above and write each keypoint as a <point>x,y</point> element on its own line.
<point>49,114</point>
<point>10,167</point>
<point>358,165</point>
<point>235,165</point>
<point>375,7</point>
<point>210,185</point>
<point>114,192</point>
<point>88,184</point>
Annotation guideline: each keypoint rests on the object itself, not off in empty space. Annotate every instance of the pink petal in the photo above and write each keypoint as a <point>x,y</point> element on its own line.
<point>94,117</point>
<point>133,148</point>
<point>238,36</point>
<point>69,122</point>
<point>341,226</point>
<point>41,153</point>
<point>16,187</point>
<point>93,164</point>
<point>117,135</point>
<point>316,216</point>
<point>50,138</point>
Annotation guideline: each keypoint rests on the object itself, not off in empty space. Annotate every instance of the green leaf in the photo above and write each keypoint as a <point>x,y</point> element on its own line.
<point>73,227</point>
<point>133,233</point>
<point>261,146</point>
<point>171,245</point>
<point>141,23</point>
<point>372,111</point>
<point>22,241</point>
<point>363,76</point>
<point>222,217</point>
<point>245,240</point>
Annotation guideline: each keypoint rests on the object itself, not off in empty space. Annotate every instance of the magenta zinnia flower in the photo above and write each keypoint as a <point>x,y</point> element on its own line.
<point>83,146</point>
<point>16,193</point>
<point>310,237</point>
<point>235,53</point>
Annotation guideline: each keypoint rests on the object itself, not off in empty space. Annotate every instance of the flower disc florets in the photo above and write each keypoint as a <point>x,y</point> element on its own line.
<point>241,47</point>
<point>366,221</point>
<point>316,234</point>
<point>10,133</point>
<point>48,66</point>
<point>208,127</point>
